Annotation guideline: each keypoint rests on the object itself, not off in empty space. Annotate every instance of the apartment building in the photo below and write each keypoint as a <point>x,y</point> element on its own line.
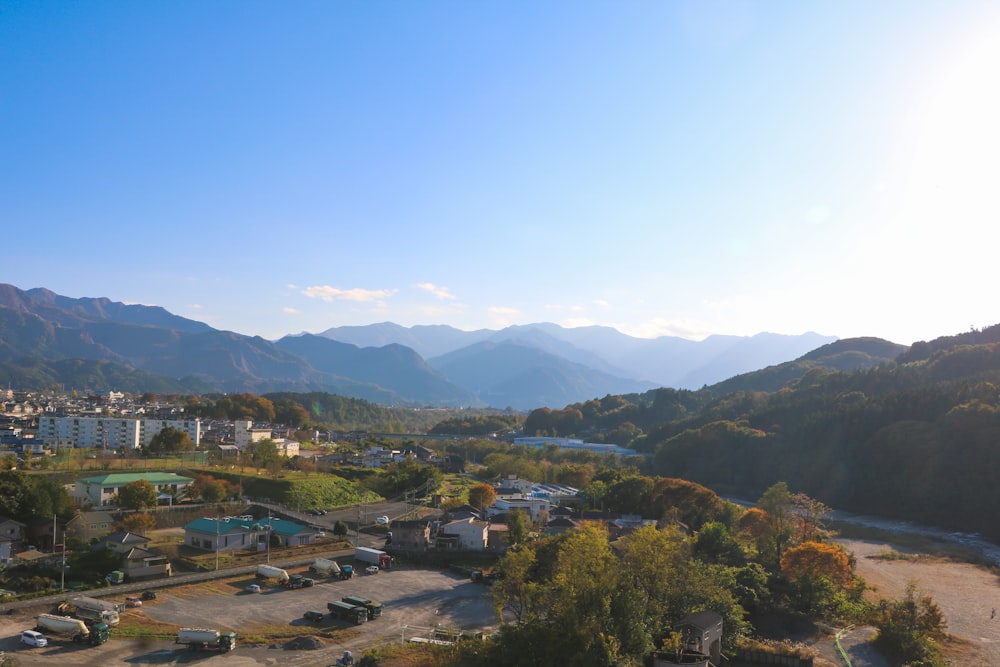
<point>112,432</point>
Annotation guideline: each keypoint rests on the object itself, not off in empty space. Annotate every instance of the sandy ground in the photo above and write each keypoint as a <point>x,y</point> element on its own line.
<point>965,593</point>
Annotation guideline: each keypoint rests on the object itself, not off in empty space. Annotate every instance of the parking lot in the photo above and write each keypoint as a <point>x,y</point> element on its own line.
<point>414,600</point>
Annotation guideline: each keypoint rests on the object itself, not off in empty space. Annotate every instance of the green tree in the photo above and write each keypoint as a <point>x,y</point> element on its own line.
<point>630,495</point>
<point>777,503</point>
<point>168,441</point>
<point>714,544</point>
<point>262,452</point>
<point>909,630</point>
<point>517,526</point>
<point>139,494</point>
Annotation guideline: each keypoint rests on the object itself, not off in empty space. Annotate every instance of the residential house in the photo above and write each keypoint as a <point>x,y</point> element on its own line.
<point>12,530</point>
<point>89,526</point>
<point>140,564</point>
<point>561,525</point>
<point>465,534</point>
<point>411,535</point>
<point>536,508</point>
<point>122,542</point>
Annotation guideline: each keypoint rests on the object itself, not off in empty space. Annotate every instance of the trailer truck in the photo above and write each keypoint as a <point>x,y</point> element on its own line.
<point>72,628</point>
<point>272,572</point>
<point>373,608</point>
<point>206,638</point>
<point>91,609</point>
<point>325,567</point>
<point>373,557</point>
<point>348,612</point>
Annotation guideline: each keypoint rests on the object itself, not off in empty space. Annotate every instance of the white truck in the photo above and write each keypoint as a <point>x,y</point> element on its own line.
<point>72,628</point>
<point>272,572</point>
<point>373,557</point>
<point>206,638</point>
<point>92,609</point>
<point>325,567</point>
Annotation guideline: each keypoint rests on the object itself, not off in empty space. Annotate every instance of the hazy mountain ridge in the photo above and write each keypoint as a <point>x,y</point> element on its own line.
<point>666,361</point>
<point>523,366</point>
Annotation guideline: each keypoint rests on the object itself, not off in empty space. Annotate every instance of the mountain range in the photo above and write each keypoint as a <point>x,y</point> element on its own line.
<point>96,344</point>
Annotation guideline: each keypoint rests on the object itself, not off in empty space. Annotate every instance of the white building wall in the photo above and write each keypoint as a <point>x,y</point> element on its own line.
<point>112,433</point>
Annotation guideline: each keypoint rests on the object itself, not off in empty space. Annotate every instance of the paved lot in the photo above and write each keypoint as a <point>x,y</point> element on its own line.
<point>413,599</point>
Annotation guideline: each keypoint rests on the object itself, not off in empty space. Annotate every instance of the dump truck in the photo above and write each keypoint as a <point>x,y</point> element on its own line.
<point>91,609</point>
<point>373,608</point>
<point>348,612</point>
<point>272,572</point>
<point>373,557</point>
<point>72,628</point>
<point>346,571</point>
<point>206,638</point>
<point>325,567</point>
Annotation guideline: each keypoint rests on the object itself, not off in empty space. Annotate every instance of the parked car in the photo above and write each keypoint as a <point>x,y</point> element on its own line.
<point>133,601</point>
<point>382,520</point>
<point>253,588</point>
<point>372,569</point>
<point>149,595</point>
<point>317,512</point>
<point>313,616</point>
<point>33,638</point>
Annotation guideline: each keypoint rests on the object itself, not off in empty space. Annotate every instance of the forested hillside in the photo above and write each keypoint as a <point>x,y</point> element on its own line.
<point>916,438</point>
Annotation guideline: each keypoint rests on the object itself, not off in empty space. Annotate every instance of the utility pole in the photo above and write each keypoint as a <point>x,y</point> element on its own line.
<point>269,536</point>
<point>216,543</point>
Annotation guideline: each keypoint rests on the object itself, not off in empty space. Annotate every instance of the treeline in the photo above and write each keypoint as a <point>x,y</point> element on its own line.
<point>914,440</point>
<point>477,425</point>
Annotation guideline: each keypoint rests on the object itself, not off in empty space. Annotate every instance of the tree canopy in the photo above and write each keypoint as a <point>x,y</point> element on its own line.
<point>139,494</point>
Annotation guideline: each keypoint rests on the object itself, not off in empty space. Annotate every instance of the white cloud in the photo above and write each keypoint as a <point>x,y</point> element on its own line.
<point>194,306</point>
<point>436,290</point>
<point>289,310</point>
<point>602,303</point>
<point>331,294</point>
<point>503,315</point>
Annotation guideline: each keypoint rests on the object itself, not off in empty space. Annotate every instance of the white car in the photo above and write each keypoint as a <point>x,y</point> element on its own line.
<point>382,520</point>
<point>253,588</point>
<point>372,569</point>
<point>32,638</point>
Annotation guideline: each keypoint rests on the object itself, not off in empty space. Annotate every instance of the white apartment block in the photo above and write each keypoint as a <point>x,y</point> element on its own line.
<point>112,433</point>
<point>244,433</point>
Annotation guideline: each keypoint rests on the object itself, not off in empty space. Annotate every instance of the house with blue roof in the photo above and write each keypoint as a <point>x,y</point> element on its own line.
<point>242,533</point>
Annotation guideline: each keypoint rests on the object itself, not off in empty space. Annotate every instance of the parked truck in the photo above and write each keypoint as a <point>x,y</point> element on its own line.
<point>348,612</point>
<point>272,572</point>
<point>72,628</point>
<point>206,638</point>
<point>325,567</point>
<point>91,609</point>
<point>373,608</point>
<point>373,557</point>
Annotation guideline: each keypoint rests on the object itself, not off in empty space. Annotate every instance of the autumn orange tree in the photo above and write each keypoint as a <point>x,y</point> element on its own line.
<point>820,573</point>
<point>482,495</point>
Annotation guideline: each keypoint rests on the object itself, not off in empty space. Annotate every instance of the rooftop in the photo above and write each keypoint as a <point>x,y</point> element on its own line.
<point>121,478</point>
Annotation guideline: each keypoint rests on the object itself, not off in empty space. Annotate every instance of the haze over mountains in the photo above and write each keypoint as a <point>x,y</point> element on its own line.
<point>98,344</point>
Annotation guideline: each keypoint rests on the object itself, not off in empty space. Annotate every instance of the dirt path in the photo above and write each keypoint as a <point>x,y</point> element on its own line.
<point>965,593</point>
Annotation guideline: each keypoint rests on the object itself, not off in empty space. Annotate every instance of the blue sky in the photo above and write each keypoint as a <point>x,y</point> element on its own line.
<point>666,168</point>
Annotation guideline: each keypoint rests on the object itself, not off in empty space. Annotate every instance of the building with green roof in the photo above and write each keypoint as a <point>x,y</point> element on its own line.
<point>244,532</point>
<point>102,490</point>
